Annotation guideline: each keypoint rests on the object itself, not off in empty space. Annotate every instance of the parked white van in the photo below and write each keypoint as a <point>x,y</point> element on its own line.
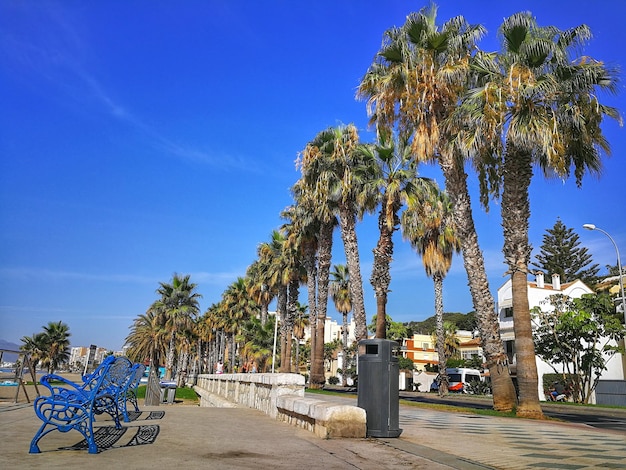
<point>459,378</point>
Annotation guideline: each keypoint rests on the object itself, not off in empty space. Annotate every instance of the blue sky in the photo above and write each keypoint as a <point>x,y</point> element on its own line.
<point>139,139</point>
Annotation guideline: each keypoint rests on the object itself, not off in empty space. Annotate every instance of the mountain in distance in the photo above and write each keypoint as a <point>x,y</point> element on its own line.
<point>462,321</point>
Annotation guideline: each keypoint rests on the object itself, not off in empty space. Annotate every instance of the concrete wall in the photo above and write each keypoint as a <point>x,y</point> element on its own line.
<point>281,396</point>
<point>258,391</point>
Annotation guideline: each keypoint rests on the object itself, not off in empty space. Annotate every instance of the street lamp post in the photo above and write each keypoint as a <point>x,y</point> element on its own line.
<point>619,265</point>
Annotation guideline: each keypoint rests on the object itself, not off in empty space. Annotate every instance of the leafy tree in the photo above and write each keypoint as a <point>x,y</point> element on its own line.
<point>577,334</point>
<point>562,254</point>
<point>405,363</point>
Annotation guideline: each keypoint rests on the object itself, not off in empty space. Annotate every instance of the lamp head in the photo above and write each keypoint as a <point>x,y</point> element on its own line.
<point>589,226</point>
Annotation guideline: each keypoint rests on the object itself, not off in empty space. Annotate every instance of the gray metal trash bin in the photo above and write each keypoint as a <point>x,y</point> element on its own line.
<point>168,392</point>
<point>378,387</point>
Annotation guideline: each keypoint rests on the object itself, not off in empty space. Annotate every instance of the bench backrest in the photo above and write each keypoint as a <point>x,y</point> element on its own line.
<point>136,375</point>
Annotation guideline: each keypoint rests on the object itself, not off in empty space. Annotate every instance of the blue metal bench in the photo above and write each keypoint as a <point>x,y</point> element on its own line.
<point>75,406</point>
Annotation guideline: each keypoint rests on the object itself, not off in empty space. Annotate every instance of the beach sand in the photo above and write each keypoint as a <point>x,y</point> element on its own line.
<point>8,393</point>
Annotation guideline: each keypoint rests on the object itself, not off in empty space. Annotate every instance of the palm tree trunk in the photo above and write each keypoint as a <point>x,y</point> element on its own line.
<point>344,347</point>
<point>169,366</point>
<point>504,397</point>
<point>381,278</point>
<point>318,378</point>
<point>284,339</point>
<point>292,309</point>
<point>347,220</point>
<point>441,346</point>
<point>515,216</point>
<point>310,264</point>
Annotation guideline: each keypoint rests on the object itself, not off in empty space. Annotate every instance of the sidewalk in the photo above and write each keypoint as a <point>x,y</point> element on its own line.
<point>171,436</point>
<point>506,443</point>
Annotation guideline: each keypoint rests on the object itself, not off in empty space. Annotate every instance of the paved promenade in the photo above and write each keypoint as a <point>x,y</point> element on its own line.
<point>174,436</point>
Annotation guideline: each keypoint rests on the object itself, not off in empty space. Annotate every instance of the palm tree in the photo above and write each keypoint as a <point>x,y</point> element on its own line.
<point>211,321</point>
<point>315,199</point>
<point>340,293</point>
<point>236,307</point>
<point>274,257</point>
<point>147,340</point>
<point>314,229</point>
<point>428,225</point>
<point>257,339</point>
<point>179,305</point>
<point>258,287</point>
<point>416,81</point>
<point>328,163</point>
<point>535,106</point>
<point>451,340</point>
<point>57,342</point>
<point>391,178</point>
<point>37,348</point>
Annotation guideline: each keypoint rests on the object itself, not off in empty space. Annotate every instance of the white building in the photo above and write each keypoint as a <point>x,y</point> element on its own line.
<point>333,331</point>
<point>537,292</point>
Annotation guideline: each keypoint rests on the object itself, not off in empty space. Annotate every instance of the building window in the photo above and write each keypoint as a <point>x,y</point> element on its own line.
<point>507,312</point>
<point>425,346</point>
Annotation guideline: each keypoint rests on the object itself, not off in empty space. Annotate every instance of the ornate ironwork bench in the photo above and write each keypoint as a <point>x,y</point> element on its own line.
<point>72,406</point>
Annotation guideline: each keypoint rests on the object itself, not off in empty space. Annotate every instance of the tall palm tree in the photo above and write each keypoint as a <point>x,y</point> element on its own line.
<point>340,293</point>
<point>276,257</point>
<point>391,178</point>
<point>328,164</point>
<point>301,229</point>
<point>416,81</point>
<point>179,305</point>
<point>535,105</point>
<point>428,225</point>
<point>311,219</point>
<point>317,199</point>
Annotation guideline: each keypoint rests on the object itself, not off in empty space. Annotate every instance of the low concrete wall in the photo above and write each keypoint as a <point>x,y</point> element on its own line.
<point>281,396</point>
<point>325,419</point>
<point>258,391</point>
